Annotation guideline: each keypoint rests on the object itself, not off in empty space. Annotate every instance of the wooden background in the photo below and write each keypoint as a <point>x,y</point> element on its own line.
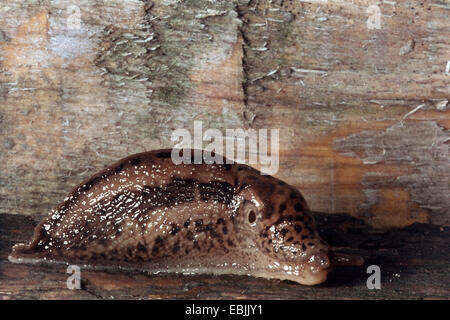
<point>413,263</point>
<point>362,112</point>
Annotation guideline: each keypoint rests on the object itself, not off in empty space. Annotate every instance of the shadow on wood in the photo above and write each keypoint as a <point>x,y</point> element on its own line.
<point>413,261</point>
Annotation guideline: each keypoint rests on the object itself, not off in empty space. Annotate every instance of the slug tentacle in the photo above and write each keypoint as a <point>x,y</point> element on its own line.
<point>145,212</point>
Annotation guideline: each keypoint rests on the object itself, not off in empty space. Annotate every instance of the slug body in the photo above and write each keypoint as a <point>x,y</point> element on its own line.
<point>147,213</point>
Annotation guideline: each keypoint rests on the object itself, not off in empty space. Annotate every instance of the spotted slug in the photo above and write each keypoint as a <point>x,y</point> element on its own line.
<point>146,213</point>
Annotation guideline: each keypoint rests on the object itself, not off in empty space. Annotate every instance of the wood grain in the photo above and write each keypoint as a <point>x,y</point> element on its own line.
<point>363,112</point>
<point>413,263</point>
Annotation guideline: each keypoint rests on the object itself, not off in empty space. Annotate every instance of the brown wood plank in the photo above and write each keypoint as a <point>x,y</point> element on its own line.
<point>413,263</point>
<point>363,112</point>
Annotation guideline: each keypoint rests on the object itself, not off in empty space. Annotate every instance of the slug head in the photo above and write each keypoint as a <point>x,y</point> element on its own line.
<point>286,235</point>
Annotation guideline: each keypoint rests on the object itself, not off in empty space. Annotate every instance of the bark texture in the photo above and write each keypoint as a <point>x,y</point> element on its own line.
<point>362,108</point>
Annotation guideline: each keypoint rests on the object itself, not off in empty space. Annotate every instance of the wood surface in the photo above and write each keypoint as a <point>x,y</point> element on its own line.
<point>362,111</point>
<point>413,263</point>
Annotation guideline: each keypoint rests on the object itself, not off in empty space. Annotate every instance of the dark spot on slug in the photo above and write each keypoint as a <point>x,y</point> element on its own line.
<point>298,228</point>
<point>213,233</point>
<point>293,195</point>
<point>198,223</point>
<point>187,223</point>
<point>190,235</point>
<point>200,227</point>
<point>220,220</point>
<point>290,239</point>
<point>284,231</point>
<point>141,248</point>
<point>296,218</point>
<point>176,247</point>
<point>298,207</point>
<point>225,230</point>
<point>159,243</point>
<point>164,155</point>
<point>230,243</point>
<point>282,207</point>
<point>136,161</point>
<point>119,168</point>
<point>303,247</point>
<point>269,185</point>
<point>175,229</point>
<point>196,245</point>
<point>85,188</point>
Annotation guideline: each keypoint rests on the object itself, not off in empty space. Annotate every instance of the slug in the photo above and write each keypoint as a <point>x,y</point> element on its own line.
<point>146,213</point>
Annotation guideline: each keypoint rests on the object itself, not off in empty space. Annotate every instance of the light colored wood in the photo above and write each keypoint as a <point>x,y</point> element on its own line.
<point>73,101</point>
